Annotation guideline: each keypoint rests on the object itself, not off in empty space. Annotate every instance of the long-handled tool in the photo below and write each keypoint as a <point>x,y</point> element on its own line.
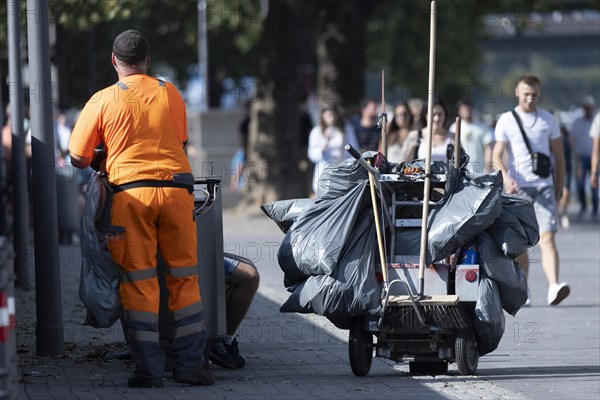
<point>440,310</point>
<point>373,174</point>
<point>383,117</point>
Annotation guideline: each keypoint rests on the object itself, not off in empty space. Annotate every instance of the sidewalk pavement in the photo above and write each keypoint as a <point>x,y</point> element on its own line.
<point>546,352</point>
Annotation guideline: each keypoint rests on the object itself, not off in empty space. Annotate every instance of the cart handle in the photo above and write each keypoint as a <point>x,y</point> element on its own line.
<point>354,153</point>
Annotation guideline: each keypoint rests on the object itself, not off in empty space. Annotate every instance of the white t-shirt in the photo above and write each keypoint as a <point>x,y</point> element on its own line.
<point>540,127</point>
<point>473,138</point>
<point>322,154</point>
<point>595,129</point>
<point>438,153</point>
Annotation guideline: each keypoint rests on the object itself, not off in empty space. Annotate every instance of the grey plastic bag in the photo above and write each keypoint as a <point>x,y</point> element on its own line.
<point>337,179</point>
<point>352,288</point>
<point>489,318</point>
<point>99,281</point>
<point>516,229</point>
<point>314,244</point>
<point>471,207</point>
<point>285,212</point>
<point>505,272</point>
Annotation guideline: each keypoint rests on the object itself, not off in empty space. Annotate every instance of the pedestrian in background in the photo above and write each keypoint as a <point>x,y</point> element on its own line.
<point>475,139</point>
<point>543,188</point>
<point>595,162</point>
<point>397,132</point>
<point>568,146</point>
<point>416,106</point>
<point>416,143</point>
<point>365,126</point>
<point>142,122</point>
<point>326,142</point>
<point>583,149</point>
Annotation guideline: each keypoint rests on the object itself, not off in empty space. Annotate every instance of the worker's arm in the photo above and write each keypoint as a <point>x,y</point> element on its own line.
<point>80,162</point>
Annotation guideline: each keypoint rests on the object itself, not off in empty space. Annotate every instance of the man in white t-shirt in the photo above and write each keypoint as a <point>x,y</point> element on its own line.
<point>475,138</point>
<point>544,136</point>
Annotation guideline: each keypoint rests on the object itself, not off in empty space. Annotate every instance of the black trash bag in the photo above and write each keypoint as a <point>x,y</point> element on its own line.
<point>516,229</point>
<point>462,214</point>
<point>505,272</point>
<point>337,179</point>
<point>353,288</point>
<point>489,318</point>
<point>99,281</point>
<point>314,244</point>
<point>285,212</point>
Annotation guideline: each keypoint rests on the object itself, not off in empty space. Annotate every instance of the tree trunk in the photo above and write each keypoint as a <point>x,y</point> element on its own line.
<point>341,52</point>
<point>273,151</point>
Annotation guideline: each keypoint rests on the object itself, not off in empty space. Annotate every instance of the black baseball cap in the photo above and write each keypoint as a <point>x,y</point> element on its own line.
<point>131,46</point>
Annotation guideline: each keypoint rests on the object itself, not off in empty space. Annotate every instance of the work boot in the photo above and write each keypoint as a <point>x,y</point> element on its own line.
<point>226,355</point>
<point>137,380</point>
<point>198,376</point>
<point>235,352</point>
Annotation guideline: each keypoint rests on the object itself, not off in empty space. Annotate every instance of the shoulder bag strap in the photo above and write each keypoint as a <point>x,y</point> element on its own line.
<point>522,131</point>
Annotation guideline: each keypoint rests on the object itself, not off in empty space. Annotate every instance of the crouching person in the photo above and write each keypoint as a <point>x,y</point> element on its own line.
<point>241,280</point>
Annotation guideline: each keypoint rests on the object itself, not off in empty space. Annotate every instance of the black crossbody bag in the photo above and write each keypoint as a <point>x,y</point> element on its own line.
<point>540,162</point>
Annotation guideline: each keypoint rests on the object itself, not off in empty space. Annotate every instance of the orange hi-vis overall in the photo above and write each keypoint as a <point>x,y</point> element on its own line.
<point>142,129</point>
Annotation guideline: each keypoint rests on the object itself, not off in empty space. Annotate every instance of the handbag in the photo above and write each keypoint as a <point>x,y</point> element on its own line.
<point>540,162</point>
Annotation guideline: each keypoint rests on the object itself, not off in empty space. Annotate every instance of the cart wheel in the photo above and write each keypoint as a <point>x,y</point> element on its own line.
<point>360,346</point>
<point>467,353</point>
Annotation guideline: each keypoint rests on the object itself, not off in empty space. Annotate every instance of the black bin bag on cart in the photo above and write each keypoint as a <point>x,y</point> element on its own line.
<point>327,253</point>
<point>466,210</point>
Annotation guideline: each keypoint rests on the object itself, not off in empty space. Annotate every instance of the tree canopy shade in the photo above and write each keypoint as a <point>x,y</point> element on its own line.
<point>275,41</point>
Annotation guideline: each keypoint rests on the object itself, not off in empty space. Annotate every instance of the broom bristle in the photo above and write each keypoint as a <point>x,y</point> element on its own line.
<point>444,317</point>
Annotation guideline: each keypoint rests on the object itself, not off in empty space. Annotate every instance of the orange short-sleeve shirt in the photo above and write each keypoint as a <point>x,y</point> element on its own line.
<point>142,123</point>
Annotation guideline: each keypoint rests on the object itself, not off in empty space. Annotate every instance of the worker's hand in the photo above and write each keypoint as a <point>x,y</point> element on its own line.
<point>510,186</point>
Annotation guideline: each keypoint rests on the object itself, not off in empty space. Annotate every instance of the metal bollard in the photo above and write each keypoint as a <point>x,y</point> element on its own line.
<point>209,226</point>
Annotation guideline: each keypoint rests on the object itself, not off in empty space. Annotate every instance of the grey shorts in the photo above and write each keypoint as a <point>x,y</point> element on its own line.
<point>544,204</point>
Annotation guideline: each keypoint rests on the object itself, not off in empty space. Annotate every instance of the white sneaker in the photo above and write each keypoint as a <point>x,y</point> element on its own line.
<point>557,293</point>
<point>528,302</point>
<point>564,221</point>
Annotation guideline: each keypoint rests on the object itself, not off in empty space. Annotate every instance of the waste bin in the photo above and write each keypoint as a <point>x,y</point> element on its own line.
<point>68,203</point>
<point>209,226</point>
<point>8,341</point>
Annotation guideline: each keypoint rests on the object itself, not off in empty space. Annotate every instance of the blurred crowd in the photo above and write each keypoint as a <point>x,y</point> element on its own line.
<point>323,141</point>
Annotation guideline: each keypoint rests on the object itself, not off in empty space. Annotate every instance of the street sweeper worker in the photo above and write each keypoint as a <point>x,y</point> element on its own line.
<point>142,122</point>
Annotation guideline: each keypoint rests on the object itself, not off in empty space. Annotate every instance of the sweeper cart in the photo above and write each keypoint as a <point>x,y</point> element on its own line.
<point>426,309</point>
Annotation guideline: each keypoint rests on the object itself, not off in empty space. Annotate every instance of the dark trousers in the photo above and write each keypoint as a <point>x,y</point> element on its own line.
<point>583,181</point>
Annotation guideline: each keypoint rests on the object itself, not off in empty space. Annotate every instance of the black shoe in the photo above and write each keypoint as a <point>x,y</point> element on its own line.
<point>241,362</point>
<point>138,381</point>
<point>197,377</point>
<point>225,355</point>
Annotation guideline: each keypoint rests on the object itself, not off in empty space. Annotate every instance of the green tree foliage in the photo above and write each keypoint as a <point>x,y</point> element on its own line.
<point>398,37</point>
<point>85,30</point>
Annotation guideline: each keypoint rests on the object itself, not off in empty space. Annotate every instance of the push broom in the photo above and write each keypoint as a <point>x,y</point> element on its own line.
<point>442,311</point>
